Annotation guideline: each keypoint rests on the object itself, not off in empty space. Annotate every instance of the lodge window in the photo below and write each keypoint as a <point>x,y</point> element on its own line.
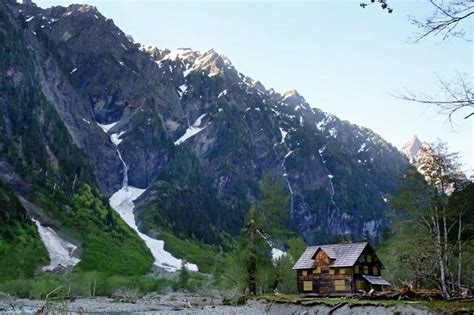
<point>326,260</point>
<point>369,258</point>
<point>331,271</point>
<point>308,285</point>
<point>359,285</point>
<point>304,272</point>
<point>366,270</point>
<point>340,285</point>
<point>317,270</point>
<point>362,258</point>
<point>376,270</point>
<point>356,269</point>
<point>342,271</point>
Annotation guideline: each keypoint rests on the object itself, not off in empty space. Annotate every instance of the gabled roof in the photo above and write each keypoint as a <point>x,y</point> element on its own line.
<point>306,260</point>
<point>344,255</point>
<point>378,280</point>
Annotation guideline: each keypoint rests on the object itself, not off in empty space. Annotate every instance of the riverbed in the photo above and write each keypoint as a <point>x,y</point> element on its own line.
<point>190,303</point>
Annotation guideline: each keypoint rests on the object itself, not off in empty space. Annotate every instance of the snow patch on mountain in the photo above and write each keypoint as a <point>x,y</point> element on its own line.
<point>182,89</point>
<point>283,135</point>
<point>362,147</point>
<point>222,93</point>
<point>192,130</point>
<point>277,254</point>
<point>60,251</point>
<point>122,202</point>
<point>107,127</point>
<point>115,138</point>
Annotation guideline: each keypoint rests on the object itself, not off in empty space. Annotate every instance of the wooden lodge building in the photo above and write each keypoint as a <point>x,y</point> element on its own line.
<point>339,269</point>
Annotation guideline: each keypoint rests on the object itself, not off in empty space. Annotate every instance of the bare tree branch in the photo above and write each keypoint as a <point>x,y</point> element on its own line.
<point>458,97</point>
<point>447,20</point>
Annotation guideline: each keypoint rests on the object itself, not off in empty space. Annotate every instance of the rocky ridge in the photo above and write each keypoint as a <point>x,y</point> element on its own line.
<point>192,114</point>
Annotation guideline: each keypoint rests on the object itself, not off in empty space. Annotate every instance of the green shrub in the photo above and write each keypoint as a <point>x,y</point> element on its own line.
<point>86,284</point>
<point>45,285</point>
<point>20,287</point>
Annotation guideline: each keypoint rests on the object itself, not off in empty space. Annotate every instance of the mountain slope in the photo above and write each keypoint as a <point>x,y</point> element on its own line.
<point>49,174</point>
<point>18,239</point>
<point>198,135</point>
<point>337,173</point>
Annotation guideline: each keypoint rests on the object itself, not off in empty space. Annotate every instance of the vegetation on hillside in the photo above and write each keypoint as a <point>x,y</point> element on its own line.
<point>56,176</point>
<point>431,244</point>
<point>21,249</point>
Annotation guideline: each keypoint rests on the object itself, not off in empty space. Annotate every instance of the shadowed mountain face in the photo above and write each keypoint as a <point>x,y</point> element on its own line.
<point>199,135</point>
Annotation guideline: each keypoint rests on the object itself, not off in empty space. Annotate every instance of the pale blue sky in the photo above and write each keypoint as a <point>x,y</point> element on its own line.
<point>343,59</point>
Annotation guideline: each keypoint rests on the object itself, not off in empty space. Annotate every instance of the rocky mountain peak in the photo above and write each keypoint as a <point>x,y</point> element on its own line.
<point>411,147</point>
<point>81,8</point>
<point>208,61</point>
<point>293,98</point>
<point>212,62</point>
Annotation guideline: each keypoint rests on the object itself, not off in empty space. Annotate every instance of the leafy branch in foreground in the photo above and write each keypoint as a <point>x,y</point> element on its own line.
<point>383,4</point>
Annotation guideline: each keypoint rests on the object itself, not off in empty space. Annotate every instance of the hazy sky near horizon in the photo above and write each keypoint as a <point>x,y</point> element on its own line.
<point>343,59</point>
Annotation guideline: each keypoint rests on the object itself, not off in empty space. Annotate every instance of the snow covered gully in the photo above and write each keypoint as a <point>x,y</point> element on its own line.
<point>122,202</point>
<point>59,250</point>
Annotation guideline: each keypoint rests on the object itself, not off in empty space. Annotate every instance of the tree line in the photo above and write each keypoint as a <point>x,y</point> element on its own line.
<point>431,243</point>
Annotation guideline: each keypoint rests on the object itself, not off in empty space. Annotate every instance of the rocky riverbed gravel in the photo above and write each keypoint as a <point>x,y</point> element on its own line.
<point>190,303</point>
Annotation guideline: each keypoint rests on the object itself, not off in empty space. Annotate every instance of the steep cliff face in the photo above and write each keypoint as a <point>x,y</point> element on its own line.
<point>46,178</point>
<point>338,174</point>
<point>198,134</point>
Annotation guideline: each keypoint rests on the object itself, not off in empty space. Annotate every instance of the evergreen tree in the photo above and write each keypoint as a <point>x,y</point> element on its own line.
<point>275,205</point>
<point>183,277</point>
<point>263,225</point>
<point>255,249</point>
<point>217,269</point>
<point>109,220</point>
<point>284,276</point>
<point>296,247</point>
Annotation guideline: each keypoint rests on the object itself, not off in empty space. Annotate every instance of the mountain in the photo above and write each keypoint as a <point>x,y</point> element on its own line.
<point>47,184</point>
<point>411,148</point>
<point>179,140</point>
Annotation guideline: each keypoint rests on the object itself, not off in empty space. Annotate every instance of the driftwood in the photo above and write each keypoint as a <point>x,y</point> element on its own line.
<point>404,293</point>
